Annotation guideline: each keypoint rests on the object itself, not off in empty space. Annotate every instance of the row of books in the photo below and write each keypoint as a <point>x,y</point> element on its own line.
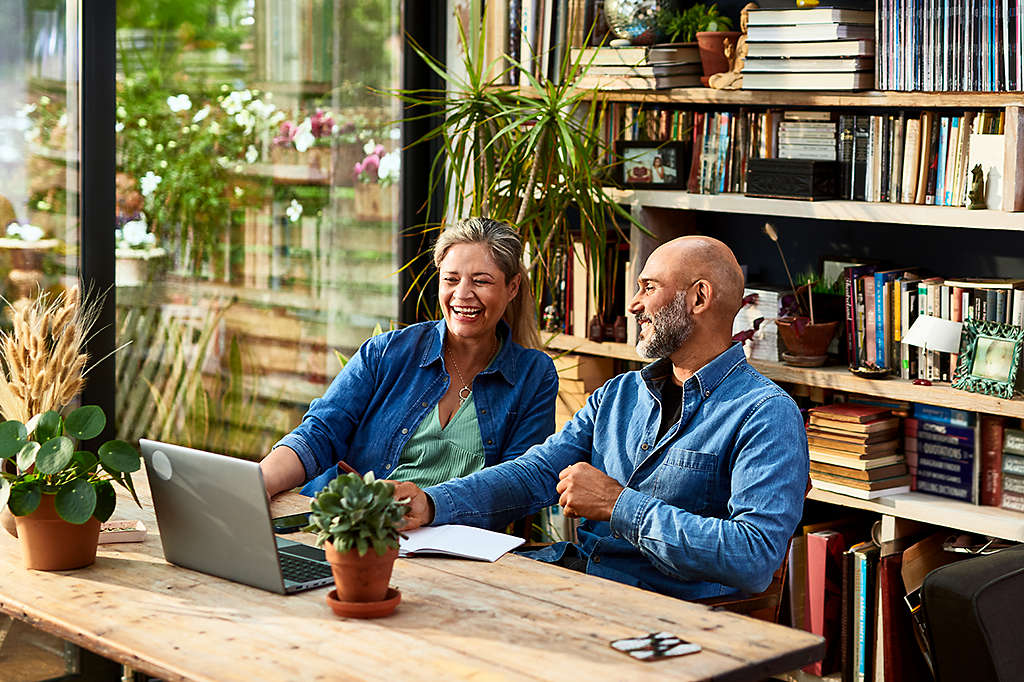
<point>937,45</point>
<point>923,158</point>
<point>638,67</point>
<point>820,48</point>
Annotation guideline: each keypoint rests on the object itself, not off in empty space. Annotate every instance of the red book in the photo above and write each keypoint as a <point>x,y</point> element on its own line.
<point>902,659</point>
<point>825,595</point>
<point>991,460</point>
<point>851,412</point>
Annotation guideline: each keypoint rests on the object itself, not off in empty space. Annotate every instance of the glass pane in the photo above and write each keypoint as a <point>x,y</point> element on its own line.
<point>38,149</point>
<point>257,196</point>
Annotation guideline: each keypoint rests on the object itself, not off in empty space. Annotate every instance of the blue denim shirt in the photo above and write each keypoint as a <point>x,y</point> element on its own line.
<point>707,509</point>
<point>374,405</point>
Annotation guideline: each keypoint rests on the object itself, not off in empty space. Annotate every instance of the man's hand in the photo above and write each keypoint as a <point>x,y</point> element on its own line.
<point>587,491</point>
<point>421,509</point>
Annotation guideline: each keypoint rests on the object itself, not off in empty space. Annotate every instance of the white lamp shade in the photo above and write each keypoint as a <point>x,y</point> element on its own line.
<point>935,333</point>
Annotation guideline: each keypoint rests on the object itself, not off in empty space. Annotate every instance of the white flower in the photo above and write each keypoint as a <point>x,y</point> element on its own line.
<point>29,233</point>
<point>158,148</point>
<point>304,139</point>
<point>122,112</point>
<point>163,165</point>
<point>62,122</point>
<point>262,109</point>
<point>369,147</point>
<point>171,144</point>
<point>277,117</point>
<point>239,192</point>
<point>390,165</point>
<point>118,127</point>
<point>179,103</point>
<point>246,120</point>
<point>201,114</point>
<point>394,133</point>
<point>143,122</point>
<point>251,154</point>
<point>294,211</point>
<point>149,183</point>
<point>215,128</point>
<point>135,233</point>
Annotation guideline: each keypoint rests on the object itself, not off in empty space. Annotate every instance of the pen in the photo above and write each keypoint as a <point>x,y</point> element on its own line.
<point>343,465</point>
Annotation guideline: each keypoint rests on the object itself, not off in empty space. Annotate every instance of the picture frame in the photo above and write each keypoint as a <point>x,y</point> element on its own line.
<point>653,165</point>
<point>989,360</point>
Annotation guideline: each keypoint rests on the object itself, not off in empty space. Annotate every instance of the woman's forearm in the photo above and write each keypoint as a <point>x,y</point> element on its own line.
<point>282,470</point>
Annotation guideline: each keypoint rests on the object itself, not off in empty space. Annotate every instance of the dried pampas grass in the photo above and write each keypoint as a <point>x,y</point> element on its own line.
<point>43,356</point>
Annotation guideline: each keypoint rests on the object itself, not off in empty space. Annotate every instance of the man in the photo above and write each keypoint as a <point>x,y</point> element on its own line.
<point>689,474</point>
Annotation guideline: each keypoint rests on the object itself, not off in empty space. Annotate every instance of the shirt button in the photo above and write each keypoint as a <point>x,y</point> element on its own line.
<point>490,442</point>
<point>707,393</point>
<point>405,431</point>
<point>483,411</point>
<point>387,466</point>
<point>597,559</point>
<point>423,404</point>
<point>644,446</point>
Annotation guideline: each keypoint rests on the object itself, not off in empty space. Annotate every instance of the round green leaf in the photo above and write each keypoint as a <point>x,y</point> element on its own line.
<point>54,455</point>
<point>27,455</point>
<point>50,425</point>
<point>117,455</point>
<point>25,498</point>
<point>5,492</point>
<point>84,461</point>
<point>12,438</point>
<point>106,499</point>
<point>85,422</point>
<point>76,501</point>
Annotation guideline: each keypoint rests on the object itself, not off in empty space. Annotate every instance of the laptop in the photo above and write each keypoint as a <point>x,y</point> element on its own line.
<point>214,518</point>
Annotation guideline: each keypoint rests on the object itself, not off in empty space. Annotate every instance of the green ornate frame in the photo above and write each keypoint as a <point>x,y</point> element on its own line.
<point>966,377</point>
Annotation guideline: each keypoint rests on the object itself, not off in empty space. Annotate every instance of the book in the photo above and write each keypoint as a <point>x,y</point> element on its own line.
<point>673,52</point>
<point>887,471</point>
<point>990,434</point>
<point>865,565</point>
<point>863,80</point>
<point>848,460</point>
<point>610,56</point>
<point>838,446</point>
<point>867,427</point>
<point>824,584</point>
<point>846,412</point>
<point>808,65</point>
<point>851,437</point>
<point>1013,441</point>
<point>455,540</point>
<point>875,484</point>
<point>808,32</point>
<point>833,487</point>
<point>946,415</point>
<point>792,50</point>
<point>812,15</point>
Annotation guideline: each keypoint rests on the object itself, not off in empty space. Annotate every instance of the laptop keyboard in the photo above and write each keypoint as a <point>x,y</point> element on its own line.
<point>302,570</point>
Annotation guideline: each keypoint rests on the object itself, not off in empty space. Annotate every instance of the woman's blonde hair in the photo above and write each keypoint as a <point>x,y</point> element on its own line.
<point>506,249</point>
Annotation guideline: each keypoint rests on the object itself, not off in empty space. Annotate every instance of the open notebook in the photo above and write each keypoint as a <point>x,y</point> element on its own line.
<point>459,541</point>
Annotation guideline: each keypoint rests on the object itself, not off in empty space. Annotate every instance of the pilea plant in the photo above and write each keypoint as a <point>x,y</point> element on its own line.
<point>355,512</point>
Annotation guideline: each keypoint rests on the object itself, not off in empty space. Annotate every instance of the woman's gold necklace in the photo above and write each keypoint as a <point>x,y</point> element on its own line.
<point>466,391</point>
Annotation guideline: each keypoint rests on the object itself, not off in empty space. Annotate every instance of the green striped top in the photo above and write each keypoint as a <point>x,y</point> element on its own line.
<point>433,455</point>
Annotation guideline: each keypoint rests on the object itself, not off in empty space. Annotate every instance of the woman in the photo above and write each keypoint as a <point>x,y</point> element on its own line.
<point>659,169</point>
<point>435,400</point>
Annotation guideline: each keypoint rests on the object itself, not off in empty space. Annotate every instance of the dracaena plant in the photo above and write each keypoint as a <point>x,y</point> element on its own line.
<point>47,460</point>
<point>43,364</point>
<point>357,512</point>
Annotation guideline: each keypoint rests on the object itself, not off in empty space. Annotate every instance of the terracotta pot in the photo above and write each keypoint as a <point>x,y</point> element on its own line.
<point>361,578</point>
<point>374,201</point>
<point>712,50</point>
<point>49,543</point>
<point>808,340</point>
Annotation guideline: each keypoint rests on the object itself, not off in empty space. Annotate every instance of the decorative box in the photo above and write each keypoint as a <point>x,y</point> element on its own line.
<point>805,179</point>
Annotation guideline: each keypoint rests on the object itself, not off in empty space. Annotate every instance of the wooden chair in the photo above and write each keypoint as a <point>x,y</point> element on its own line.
<point>764,605</point>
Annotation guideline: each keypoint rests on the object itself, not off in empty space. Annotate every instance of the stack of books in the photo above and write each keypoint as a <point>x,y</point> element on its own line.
<point>628,68</point>
<point>818,48</point>
<point>944,457</point>
<point>854,450</point>
<point>1013,470</point>
<point>807,135</point>
<point>760,303</point>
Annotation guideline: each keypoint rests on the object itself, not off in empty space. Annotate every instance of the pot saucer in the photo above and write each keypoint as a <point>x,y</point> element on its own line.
<point>364,609</point>
<point>866,372</point>
<point>804,360</point>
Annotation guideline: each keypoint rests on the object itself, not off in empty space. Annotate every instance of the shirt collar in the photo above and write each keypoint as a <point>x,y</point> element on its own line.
<point>708,377</point>
<point>504,364</point>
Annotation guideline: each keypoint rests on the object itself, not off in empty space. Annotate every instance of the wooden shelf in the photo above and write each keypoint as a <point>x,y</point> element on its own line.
<point>835,378</point>
<point>938,511</point>
<point>859,211</point>
<point>803,98</point>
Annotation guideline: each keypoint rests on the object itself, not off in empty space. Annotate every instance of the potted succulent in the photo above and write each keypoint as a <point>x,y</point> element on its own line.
<point>704,24</point>
<point>57,492</point>
<point>356,520</point>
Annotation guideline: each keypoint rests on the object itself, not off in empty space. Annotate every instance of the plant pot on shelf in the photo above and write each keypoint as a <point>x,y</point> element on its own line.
<point>134,267</point>
<point>712,51</point>
<point>49,543</point>
<point>374,201</point>
<point>806,344</point>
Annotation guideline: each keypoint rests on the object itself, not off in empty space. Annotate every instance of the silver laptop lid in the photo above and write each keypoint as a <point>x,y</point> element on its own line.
<point>213,514</point>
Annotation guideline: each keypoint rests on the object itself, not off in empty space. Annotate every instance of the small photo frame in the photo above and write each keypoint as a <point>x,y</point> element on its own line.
<point>652,165</point>
<point>989,358</point>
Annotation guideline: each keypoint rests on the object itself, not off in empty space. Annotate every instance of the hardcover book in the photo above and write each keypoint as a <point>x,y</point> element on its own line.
<point>846,412</point>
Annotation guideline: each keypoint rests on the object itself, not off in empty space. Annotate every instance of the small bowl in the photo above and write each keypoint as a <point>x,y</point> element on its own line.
<point>364,609</point>
<point>865,372</point>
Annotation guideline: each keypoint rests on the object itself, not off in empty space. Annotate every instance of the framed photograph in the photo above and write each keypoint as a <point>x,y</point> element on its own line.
<point>653,165</point>
<point>989,358</point>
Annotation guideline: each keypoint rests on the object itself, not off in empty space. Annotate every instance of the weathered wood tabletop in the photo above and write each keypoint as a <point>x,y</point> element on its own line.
<point>513,619</point>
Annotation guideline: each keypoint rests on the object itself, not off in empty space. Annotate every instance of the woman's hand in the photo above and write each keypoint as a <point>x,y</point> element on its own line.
<point>421,507</point>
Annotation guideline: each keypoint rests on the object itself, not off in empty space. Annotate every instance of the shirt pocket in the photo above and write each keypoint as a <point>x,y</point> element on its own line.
<point>685,479</point>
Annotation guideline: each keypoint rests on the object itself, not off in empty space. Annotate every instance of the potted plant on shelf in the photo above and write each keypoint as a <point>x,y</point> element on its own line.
<point>704,24</point>
<point>58,492</point>
<point>356,520</point>
<point>135,252</point>
<point>376,178</point>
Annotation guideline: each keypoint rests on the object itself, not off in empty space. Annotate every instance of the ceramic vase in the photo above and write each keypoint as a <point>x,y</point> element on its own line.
<point>49,543</point>
<point>712,51</point>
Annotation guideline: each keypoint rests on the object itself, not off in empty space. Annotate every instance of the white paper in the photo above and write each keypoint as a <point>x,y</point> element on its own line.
<point>934,333</point>
<point>461,541</point>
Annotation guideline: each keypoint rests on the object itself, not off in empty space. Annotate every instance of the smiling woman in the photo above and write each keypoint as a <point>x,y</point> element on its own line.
<point>436,400</point>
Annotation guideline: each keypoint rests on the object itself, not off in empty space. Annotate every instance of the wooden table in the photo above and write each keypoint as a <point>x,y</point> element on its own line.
<point>513,619</point>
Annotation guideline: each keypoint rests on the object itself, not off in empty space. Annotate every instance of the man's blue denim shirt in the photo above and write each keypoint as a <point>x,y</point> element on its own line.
<point>374,405</point>
<point>707,510</point>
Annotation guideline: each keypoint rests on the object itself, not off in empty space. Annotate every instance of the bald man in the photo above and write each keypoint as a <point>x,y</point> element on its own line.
<point>689,475</point>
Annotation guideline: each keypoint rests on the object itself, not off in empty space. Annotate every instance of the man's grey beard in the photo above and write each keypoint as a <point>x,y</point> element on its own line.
<point>668,330</point>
